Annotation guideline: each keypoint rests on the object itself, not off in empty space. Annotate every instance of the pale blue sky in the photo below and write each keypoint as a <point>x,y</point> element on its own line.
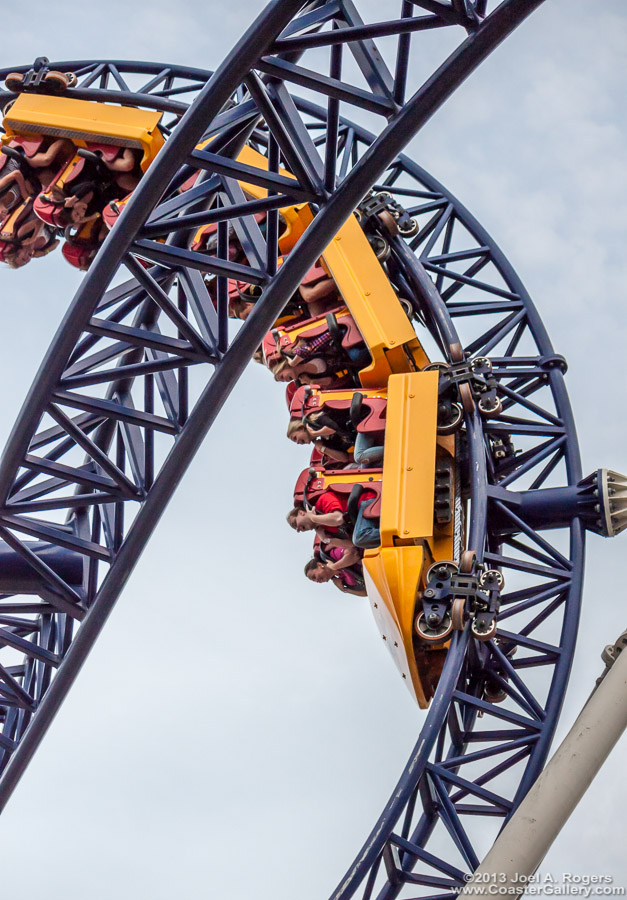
<point>237,729</point>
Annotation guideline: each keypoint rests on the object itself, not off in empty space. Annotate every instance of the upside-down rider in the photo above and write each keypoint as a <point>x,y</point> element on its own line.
<point>330,513</point>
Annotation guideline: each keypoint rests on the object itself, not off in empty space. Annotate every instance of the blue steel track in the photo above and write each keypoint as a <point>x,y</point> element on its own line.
<point>336,164</point>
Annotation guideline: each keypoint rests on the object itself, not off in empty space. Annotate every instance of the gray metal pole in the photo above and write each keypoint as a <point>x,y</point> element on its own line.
<point>527,837</point>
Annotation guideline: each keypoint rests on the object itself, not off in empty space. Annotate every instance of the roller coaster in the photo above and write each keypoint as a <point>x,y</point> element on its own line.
<point>444,480</point>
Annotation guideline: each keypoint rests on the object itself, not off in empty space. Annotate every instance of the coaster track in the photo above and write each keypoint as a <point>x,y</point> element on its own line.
<point>147,362</point>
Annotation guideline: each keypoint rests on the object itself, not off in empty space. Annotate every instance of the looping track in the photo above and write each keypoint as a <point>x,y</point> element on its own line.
<point>142,364</point>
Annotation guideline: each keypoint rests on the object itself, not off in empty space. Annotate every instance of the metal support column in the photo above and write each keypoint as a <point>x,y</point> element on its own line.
<point>527,837</point>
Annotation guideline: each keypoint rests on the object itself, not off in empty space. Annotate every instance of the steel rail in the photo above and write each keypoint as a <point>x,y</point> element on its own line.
<point>411,776</point>
<point>336,210</point>
<point>417,111</point>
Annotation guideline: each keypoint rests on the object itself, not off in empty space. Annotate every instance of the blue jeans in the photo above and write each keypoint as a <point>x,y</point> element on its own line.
<point>366,534</point>
<point>359,356</point>
<point>365,450</point>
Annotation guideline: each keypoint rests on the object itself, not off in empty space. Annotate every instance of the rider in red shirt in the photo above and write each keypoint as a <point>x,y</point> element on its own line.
<point>329,514</point>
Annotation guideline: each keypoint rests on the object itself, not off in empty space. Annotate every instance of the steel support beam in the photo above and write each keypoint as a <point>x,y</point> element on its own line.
<point>529,834</point>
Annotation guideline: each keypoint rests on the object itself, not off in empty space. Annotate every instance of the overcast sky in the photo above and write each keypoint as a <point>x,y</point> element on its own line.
<point>237,729</point>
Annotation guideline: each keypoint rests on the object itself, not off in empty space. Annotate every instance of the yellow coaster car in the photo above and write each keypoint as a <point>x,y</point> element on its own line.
<point>415,503</point>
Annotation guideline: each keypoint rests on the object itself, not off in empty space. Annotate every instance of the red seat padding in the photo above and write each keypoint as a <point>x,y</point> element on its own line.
<point>317,456</point>
<point>107,151</point>
<point>317,285</point>
<point>48,212</point>
<point>29,144</point>
<point>375,419</point>
<point>5,249</point>
<point>191,181</point>
<point>316,486</point>
<point>79,257</point>
<point>316,273</point>
<point>271,353</point>
<point>111,214</point>
<point>307,399</point>
<point>290,392</point>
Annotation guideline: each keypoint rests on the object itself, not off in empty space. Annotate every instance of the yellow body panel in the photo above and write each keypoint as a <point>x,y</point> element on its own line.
<point>9,225</point>
<point>367,292</point>
<point>296,217</point>
<point>410,541</point>
<point>391,577</point>
<point>297,220</point>
<point>409,461</point>
<point>345,394</point>
<point>84,121</point>
<point>345,476</point>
